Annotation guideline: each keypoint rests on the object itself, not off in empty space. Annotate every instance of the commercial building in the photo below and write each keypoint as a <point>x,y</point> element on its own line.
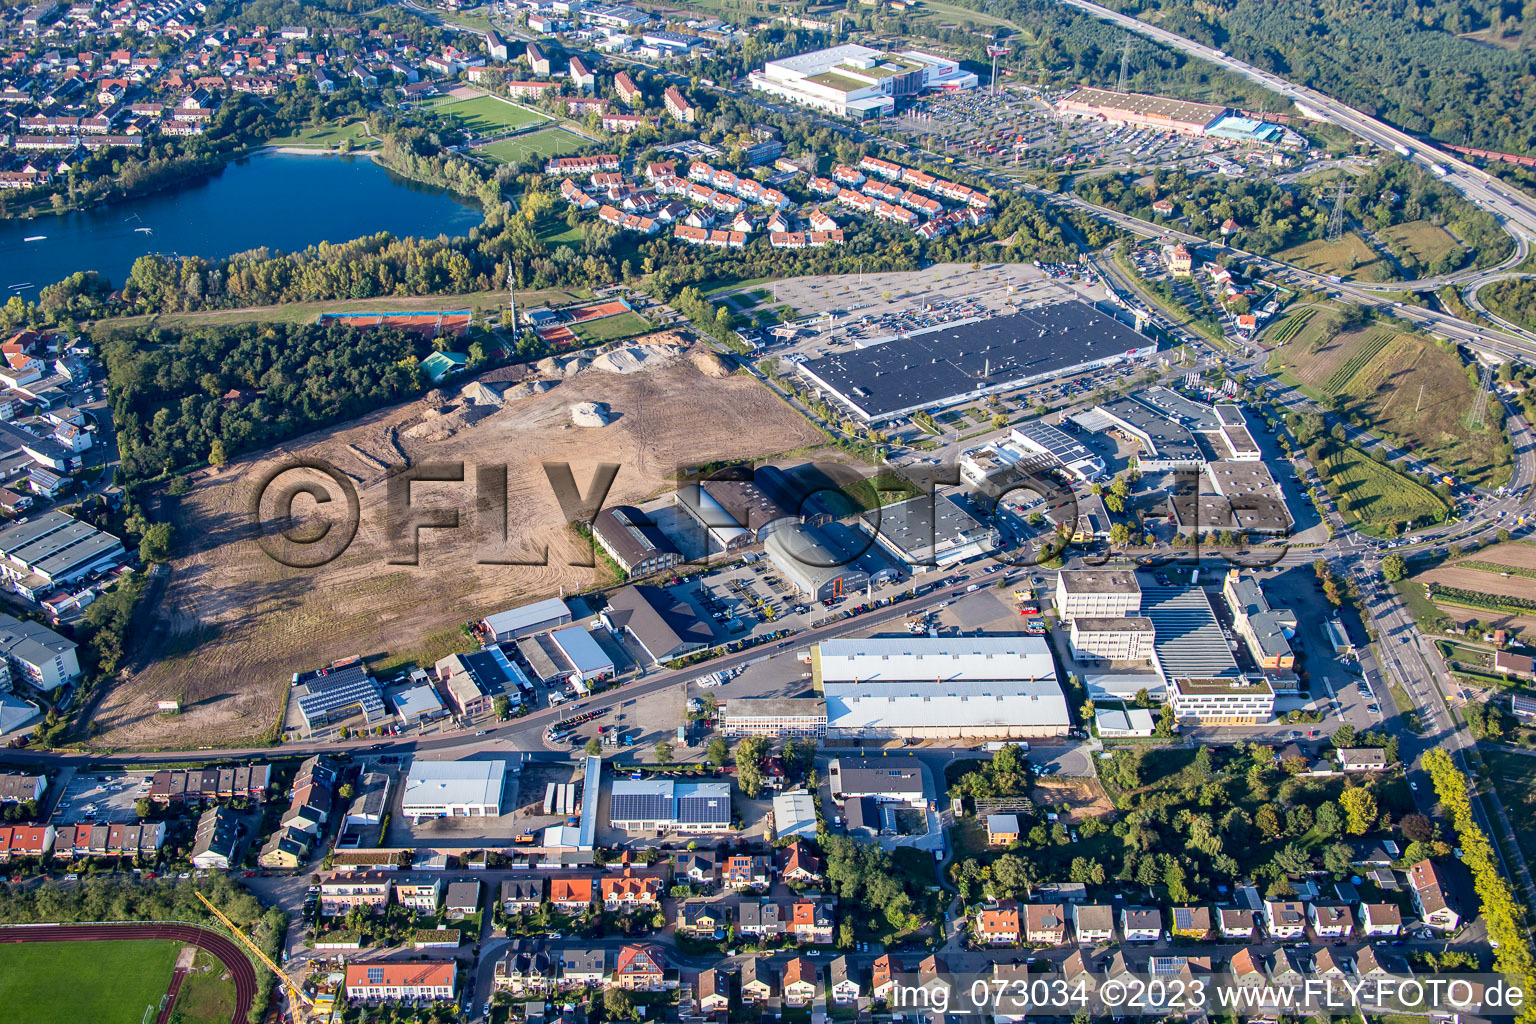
<point>1188,641</point>
<point>419,703</point>
<point>816,563</point>
<point>858,81</point>
<point>428,981</point>
<point>1063,450</point>
<point>927,688</point>
<point>1238,496</point>
<point>954,363</point>
<point>894,780</point>
<point>36,655</point>
<point>663,805</point>
<point>54,549</point>
<point>662,623</point>
<point>930,530</point>
<point>633,541</point>
<point>794,814</point>
<point>1225,701</point>
<point>740,506</point>
<point>1097,593</point>
<point>587,659</point>
<point>526,620</point>
<point>1164,443</point>
<point>1143,111</point>
<point>473,681</point>
<point>454,789</point>
<point>1267,631</point>
<point>1133,722</point>
<point>340,691</point>
<point>773,716</point>
<point>1121,638</point>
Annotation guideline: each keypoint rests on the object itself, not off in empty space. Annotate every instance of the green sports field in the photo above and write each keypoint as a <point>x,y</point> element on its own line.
<point>548,143</point>
<point>611,328</point>
<point>100,982</point>
<point>486,114</point>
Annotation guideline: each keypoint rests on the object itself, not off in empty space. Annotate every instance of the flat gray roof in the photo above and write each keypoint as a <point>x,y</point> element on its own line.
<point>1099,581</point>
<point>920,529</point>
<point>54,544</point>
<point>1188,642</point>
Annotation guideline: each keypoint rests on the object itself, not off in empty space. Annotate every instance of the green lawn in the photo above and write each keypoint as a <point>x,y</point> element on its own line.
<point>1350,256</point>
<point>1371,495</point>
<point>487,114</point>
<point>207,996</point>
<point>99,982</point>
<point>550,142</point>
<point>610,328</point>
<point>1514,779</point>
<point>326,136</point>
<point>1429,243</point>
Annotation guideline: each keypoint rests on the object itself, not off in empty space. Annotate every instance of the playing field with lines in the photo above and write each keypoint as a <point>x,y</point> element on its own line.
<point>100,982</point>
<point>486,115</point>
<point>549,142</point>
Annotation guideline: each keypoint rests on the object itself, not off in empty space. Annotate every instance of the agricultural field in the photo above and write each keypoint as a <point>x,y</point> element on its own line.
<point>1429,243</point>
<point>486,115</point>
<point>611,328</point>
<point>1476,580</point>
<point>546,143</point>
<point>233,626</point>
<point>40,982</point>
<point>1500,571</point>
<point>1403,387</point>
<point>1350,256</point>
<point>1371,495</point>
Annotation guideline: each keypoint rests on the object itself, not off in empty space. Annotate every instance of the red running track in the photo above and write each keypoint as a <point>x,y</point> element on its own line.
<point>220,946</point>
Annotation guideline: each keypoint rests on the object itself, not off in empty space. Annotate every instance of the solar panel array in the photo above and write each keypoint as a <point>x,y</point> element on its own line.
<point>361,692</point>
<point>702,809</point>
<point>640,806</point>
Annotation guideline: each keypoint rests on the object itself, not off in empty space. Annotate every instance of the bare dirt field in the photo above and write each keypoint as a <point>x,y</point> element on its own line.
<point>1479,581</point>
<point>1515,554</point>
<point>233,625</point>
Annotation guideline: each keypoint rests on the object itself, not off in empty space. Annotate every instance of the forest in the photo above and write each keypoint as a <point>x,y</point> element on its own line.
<point>1407,63</point>
<point>1274,217</point>
<point>168,389</point>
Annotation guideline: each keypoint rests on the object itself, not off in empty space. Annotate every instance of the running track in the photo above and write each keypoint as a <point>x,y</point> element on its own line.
<point>232,956</point>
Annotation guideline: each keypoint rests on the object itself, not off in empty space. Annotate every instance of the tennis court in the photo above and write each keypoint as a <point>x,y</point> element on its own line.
<point>595,311</point>
<point>556,337</point>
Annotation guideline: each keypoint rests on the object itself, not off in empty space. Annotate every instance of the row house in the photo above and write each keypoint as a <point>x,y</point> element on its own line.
<point>884,168</point>
<point>811,921</point>
<point>624,123</point>
<point>584,165</point>
<point>882,190</point>
<point>823,187</point>
<point>747,871</point>
<point>660,169</point>
<point>424,981</point>
<point>717,239</point>
<point>921,204</point>
<point>760,918</point>
<point>367,889</point>
<point>629,891</point>
<point>18,841</point>
<point>918,179</point>
<point>855,200</point>
<point>92,839</point>
<point>886,211</point>
<point>573,194</point>
<point>820,220</point>
<point>171,786</point>
<point>521,974</point>
<point>571,895</point>
<point>845,175</point>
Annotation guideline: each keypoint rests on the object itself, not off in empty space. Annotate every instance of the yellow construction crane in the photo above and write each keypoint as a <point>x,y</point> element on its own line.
<point>297,1000</point>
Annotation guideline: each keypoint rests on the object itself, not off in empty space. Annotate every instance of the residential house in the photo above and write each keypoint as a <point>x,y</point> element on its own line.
<point>714,991</point>
<point>1289,969</point>
<point>368,889</point>
<point>748,871</point>
<point>1379,919</point>
<point>429,981</point>
<point>583,968</point>
<point>1329,966</point>
<point>933,979</point>
<point>522,973</point>
<point>1427,887</point>
<point>1002,829</point>
<point>1363,759</point>
<point>19,788</point>
<point>639,967</point>
<point>629,892</point>
<point>701,917</point>
<point>1247,970</point>
<point>1236,922</point>
<point>811,921</point>
<point>1141,924</point>
<point>884,976</point>
<point>1045,923</point>
<point>1330,920</point>
<point>1371,966</point>
<point>570,895</point>
<point>462,899</point>
<point>798,864</point>
<point>700,867</point>
<point>757,980</point>
<point>521,895</point>
<point>285,849</point>
<point>1093,922</point>
<point>217,839</point>
<point>999,924</point>
<point>843,982</point>
<point>799,981</point>
<point>763,918</point>
<point>19,841</point>
<point>1191,922</point>
<point>1285,919</point>
<point>421,895</point>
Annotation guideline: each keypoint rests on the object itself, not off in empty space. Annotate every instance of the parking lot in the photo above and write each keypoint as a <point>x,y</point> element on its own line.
<point>102,798</point>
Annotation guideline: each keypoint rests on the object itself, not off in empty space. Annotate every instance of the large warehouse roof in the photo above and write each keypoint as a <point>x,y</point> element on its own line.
<point>1143,105</point>
<point>972,705</point>
<point>934,368</point>
<point>927,659</point>
<point>454,783</point>
<point>552,611</point>
<point>687,803</point>
<point>1189,642</point>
